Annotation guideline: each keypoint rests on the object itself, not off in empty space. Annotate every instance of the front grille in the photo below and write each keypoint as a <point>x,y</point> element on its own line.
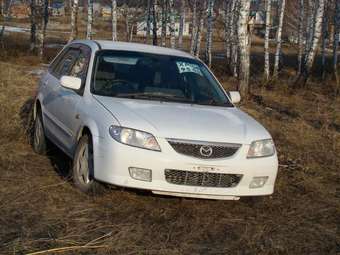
<point>204,150</point>
<point>202,179</point>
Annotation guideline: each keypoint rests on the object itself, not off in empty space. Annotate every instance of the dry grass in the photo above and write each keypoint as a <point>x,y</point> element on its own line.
<point>40,209</point>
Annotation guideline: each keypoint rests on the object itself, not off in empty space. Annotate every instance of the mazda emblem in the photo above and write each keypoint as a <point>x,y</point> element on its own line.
<point>206,151</point>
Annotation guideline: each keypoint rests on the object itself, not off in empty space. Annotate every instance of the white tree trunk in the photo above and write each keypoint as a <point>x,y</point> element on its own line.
<point>310,25</point>
<point>336,42</point>
<point>234,45</point>
<point>74,21</point>
<point>209,32</point>
<point>301,35</point>
<point>148,22</point>
<point>266,41</point>
<point>172,25</point>
<point>279,38</point>
<point>325,37</point>
<point>199,36</point>
<point>89,19</point>
<point>33,18</point>
<point>181,25</point>
<point>164,22</point>
<point>227,27</point>
<point>114,20</point>
<point>243,38</point>
<point>2,8</point>
<point>194,28</point>
<point>127,22</point>
<point>317,29</point>
<point>154,22</point>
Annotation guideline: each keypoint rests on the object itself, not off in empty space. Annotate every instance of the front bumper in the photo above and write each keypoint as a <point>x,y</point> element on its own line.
<point>112,161</point>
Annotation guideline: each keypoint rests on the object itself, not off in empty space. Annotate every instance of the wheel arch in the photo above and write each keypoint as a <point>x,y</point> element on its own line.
<point>36,108</point>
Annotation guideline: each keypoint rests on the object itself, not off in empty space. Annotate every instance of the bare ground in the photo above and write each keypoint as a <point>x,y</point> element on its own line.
<point>40,209</point>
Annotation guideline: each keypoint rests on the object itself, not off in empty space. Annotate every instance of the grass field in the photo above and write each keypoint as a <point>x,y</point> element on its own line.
<point>40,209</point>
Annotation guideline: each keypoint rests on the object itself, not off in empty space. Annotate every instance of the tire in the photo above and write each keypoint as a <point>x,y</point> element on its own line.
<point>83,167</point>
<point>39,139</point>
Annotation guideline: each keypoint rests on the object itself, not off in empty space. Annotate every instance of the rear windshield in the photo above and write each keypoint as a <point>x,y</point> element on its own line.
<point>155,77</point>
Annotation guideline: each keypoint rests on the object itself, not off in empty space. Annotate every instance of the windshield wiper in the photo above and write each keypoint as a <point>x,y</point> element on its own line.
<point>213,102</point>
<point>154,96</point>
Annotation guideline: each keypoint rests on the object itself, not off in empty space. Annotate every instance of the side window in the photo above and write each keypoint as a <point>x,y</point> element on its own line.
<point>81,64</point>
<point>65,64</point>
<point>56,61</point>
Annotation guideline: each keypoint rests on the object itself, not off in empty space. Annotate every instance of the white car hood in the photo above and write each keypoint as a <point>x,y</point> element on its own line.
<point>185,121</point>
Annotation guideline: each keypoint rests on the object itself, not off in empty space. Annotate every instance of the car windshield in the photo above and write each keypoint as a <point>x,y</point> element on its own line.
<point>156,77</point>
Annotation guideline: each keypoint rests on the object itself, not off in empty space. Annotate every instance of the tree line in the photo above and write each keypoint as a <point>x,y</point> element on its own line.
<point>314,24</point>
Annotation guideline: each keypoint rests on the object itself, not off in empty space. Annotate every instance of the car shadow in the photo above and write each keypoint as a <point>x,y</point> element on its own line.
<point>59,160</point>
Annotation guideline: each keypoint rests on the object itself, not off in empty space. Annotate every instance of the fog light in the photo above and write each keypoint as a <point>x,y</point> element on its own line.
<point>258,182</point>
<point>140,174</point>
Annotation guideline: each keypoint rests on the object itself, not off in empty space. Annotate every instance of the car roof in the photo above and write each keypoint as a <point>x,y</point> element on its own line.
<point>136,47</point>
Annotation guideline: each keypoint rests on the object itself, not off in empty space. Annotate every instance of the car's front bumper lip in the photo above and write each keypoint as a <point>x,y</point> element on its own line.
<point>112,161</point>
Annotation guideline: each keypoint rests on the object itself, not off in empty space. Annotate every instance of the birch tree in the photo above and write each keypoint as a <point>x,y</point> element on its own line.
<point>45,18</point>
<point>310,56</point>
<point>2,8</point>
<point>33,16</point>
<point>194,28</point>
<point>6,12</point>
<point>266,41</point>
<point>227,27</point>
<point>336,42</point>
<point>210,20</point>
<point>148,22</point>
<point>154,22</point>
<point>234,44</point>
<point>301,35</point>
<point>114,20</point>
<point>39,19</point>
<point>198,39</point>
<point>243,38</point>
<point>181,24</point>
<point>164,24</point>
<point>89,19</point>
<point>172,25</point>
<point>325,37</point>
<point>279,38</point>
<point>74,21</point>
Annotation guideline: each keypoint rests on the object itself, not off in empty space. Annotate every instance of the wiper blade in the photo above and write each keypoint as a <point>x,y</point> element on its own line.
<point>154,96</point>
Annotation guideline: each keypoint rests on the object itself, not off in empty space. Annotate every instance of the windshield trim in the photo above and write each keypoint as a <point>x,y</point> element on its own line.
<point>228,104</point>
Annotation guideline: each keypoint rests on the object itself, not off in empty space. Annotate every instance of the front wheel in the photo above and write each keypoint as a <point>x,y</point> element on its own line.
<point>82,170</point>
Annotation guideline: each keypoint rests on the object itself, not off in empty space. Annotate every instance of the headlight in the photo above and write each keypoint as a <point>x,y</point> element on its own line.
<point>134,138</point>
<point>261,148</point>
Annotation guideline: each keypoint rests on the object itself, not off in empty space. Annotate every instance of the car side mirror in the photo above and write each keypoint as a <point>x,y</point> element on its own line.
<point>70,82</point>
<point>235,97</point>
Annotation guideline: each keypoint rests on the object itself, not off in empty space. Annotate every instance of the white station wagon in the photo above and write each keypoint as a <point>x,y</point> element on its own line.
<point>151,118</point>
